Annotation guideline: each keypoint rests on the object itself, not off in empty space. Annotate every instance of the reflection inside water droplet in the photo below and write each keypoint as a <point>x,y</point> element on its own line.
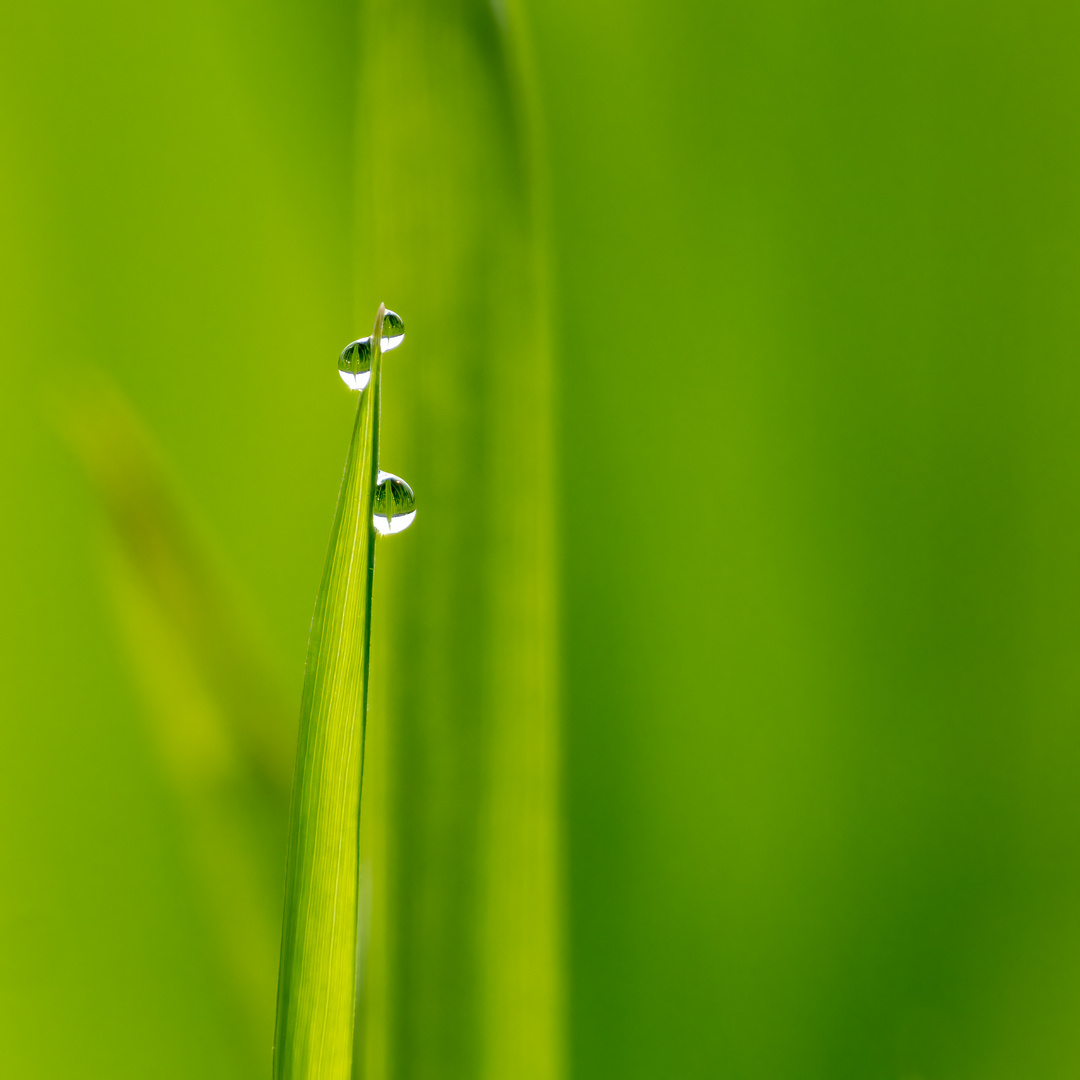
<point>393,331</point>
<point>395,504</point>
<point>354,364</point>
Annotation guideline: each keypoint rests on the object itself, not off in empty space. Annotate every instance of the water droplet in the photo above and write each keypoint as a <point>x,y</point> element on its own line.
<point>393,331</point>
<point>354,363</point>
<point>395,504</point>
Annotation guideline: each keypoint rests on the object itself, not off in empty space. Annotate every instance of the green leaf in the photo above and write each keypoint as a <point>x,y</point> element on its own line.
<point>464,977</point>
<point>317,979</point>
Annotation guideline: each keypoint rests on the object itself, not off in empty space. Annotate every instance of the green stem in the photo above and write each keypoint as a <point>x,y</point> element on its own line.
<point>317,977</point>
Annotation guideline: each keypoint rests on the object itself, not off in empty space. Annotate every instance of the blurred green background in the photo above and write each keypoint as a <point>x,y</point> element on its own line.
<point>809,273</point>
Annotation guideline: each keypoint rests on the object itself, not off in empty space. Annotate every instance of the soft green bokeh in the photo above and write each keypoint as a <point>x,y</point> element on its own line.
<point>818,269</point>
<point>814,324</point>
<point>175,213</point>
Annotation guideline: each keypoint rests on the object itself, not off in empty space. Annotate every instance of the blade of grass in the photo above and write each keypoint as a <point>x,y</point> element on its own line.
<point>317,977</point>
<point>223,729</point>
<point>465,976</point>
<point>161,544</point>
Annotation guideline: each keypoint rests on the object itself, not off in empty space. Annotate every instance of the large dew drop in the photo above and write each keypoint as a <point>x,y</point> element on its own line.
<point>393,331</point>
<point>354,363</point>
<point>395,505</point>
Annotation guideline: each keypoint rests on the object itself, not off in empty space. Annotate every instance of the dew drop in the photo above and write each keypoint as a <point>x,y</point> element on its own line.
<point>393,331</point>
<point>395,504</point>
<point>354,364</point>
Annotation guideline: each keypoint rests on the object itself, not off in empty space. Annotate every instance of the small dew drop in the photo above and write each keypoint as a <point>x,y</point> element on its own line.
<point>393,331</point>
<point>354,364</point>
<point>395,504</point>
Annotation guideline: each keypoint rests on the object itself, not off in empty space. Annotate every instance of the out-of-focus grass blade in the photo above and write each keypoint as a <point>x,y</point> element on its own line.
<point>174,563</point>
<point>222,725</point>
<point>317,978</point>
<point>464,975</point>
